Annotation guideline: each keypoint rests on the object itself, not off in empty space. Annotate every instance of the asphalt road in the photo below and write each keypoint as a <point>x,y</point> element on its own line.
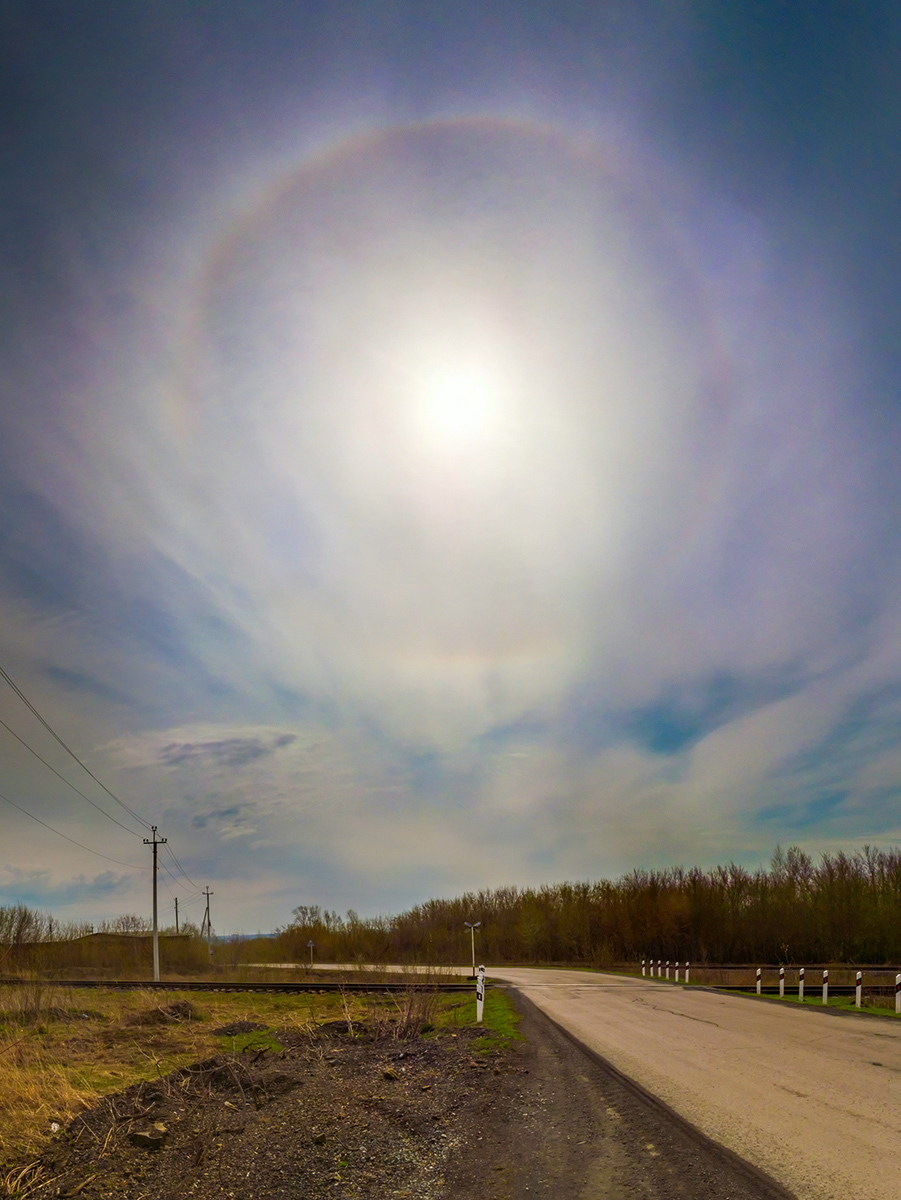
<point>809,1096</point>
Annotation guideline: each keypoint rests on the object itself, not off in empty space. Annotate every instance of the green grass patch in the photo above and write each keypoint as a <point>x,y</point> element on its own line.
<point>499,1019</point>
<point>814,999</point>
<point>260,1039</point>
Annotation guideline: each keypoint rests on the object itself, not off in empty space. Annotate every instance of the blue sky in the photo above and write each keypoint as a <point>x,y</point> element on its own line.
<point>444,447</point>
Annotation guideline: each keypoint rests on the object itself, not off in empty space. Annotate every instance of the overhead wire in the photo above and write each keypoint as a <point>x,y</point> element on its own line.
<point>133,866</point>
<point>181,868</point>
<point>31,708</point>
<point>21,695</point>
<point>67,782</point>
<point>176,881</point>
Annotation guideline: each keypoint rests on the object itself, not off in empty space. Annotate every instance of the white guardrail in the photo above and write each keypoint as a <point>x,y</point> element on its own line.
<point>655,968</point>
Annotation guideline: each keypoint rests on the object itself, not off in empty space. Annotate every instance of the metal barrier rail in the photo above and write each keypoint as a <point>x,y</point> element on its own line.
<point>812,992</point>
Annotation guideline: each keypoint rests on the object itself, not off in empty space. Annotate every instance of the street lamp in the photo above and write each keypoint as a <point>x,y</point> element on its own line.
<point>472,929</point>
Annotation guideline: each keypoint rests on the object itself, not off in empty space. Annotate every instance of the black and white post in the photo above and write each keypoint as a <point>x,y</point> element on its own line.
<point>898,993</point>
<point>858,989</point>
<point>826,986</point>
<point>480,994</point>
<point>801,985</point>
<point>781,983</point>
<point>642,968</point>
<point>759,972</point>
<point>154,841</point>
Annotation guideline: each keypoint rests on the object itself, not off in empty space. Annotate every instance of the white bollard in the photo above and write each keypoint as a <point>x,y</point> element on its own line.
<point>480,994</point>
<point>801,985</point>
<point>758,980</point>
<point>898,993</point>
<point>642,968</point>
<point>781,983</point>
<point>686,972</point>
<point>667,968</point>
<point>858,989</point>
<point>826,987</point>
<point>677,972</point>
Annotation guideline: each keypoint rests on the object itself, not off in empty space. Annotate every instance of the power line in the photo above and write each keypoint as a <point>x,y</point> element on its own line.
<point>134,866</point>
<point>66,781</point>
<point>18,691</point>
<point>181,868</point>
<point>176,881</point>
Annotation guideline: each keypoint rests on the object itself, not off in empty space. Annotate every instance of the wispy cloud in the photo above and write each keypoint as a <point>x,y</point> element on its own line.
<point>456,502</point>
<point>231,752</point>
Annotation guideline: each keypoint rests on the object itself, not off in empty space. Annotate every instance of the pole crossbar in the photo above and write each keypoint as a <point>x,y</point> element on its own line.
<point>154,841</point>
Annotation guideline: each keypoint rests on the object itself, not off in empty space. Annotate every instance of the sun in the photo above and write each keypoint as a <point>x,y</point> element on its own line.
<point>460,403</point>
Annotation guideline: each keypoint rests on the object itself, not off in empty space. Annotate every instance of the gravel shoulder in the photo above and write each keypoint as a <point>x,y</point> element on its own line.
<point>572,1125</point>
<point>430,1118</point>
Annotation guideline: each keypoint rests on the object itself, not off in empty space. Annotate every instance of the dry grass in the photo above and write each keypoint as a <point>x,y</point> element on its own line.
<point>62,1049</point>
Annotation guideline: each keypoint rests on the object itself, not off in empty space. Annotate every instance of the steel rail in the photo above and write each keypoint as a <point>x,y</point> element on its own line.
<point>393,987</point>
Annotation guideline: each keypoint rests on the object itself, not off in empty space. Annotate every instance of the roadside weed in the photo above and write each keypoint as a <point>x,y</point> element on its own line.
<point>499,1019</point>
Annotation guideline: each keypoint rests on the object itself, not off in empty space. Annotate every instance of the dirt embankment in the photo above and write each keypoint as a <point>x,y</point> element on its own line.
<point>429,1118</point>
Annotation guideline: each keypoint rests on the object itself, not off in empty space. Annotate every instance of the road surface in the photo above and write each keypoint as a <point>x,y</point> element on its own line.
<point>813,1098</point>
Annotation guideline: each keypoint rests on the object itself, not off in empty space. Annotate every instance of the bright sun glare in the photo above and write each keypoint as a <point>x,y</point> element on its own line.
<point>461,403</point>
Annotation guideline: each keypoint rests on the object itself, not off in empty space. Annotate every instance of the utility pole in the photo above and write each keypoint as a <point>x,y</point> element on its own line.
<point>206,923</point>
<point>176,914</point>
<point>154,842</point>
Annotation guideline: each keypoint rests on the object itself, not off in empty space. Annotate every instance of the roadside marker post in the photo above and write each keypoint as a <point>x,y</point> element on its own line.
<point>826,986</point>
<point>781,983</point>
<point>642,968</point>
<point>801,985</point>
<point>758,980</point>
<point>686,972</point>
<point>480,994</point>
<point>659,968</point>
<point>858,989</point>
<point>898,993</point>
<point>677,972</point>
<point>667,968</point>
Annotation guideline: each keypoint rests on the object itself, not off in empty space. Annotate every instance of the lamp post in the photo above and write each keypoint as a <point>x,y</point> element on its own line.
<point>472,929</point>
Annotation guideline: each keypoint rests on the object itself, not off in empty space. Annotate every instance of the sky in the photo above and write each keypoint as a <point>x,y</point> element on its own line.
<point>443,445</point>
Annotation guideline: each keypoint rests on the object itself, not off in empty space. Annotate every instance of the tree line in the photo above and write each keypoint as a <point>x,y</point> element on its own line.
<point>31,940</point>
<point>844,907</point>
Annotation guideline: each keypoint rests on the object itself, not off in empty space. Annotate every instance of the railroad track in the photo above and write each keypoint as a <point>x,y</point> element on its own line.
<point>355,986</point>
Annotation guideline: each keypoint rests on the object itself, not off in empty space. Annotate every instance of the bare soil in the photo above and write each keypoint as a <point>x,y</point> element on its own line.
<point>430,1118</point>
